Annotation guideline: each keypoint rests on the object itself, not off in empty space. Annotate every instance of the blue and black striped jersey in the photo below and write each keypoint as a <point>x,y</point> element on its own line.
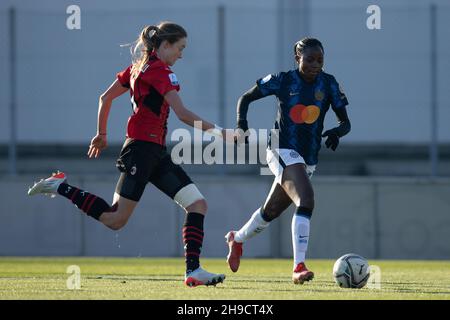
<point>302,109</point>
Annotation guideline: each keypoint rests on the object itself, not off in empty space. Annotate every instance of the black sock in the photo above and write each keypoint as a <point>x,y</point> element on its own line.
<point>304,211</point>
<point>193,239</point>
<point>89,203</point>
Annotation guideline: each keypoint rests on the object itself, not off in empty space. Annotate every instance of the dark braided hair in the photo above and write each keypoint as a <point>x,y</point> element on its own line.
<point>301,45</point>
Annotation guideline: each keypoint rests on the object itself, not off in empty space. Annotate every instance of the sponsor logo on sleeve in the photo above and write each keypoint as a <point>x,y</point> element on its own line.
<point>173,79</point>
<point>266,78</point>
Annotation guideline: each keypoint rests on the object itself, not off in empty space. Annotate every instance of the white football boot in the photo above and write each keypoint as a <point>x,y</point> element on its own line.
<point>201,277</point>
<point>49,186</point>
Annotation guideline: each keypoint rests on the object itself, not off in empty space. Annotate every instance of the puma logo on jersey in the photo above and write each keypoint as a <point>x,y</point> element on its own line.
<point>293,93</point>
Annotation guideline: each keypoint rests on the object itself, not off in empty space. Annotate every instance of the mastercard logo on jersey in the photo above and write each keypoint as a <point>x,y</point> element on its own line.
<point>304,114</point>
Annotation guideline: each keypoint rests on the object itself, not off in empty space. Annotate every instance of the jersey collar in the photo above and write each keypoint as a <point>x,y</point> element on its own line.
<point>297,72</point>
<point>155,62</point>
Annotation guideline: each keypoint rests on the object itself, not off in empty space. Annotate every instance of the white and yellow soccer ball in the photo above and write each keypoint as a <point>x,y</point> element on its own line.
<point>351,271</point>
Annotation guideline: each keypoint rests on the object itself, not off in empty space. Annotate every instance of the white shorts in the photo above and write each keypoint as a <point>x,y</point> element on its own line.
<point>279,159</point>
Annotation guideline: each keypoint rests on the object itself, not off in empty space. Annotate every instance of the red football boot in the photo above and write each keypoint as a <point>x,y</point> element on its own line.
<point>302,274</point>
<point>234,256</point>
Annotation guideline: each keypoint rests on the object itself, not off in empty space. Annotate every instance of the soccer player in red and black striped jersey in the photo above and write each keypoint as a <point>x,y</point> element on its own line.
<point>153,88</point>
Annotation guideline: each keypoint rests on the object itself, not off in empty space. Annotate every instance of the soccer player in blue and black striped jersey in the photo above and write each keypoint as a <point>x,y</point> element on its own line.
<point>304,96</point>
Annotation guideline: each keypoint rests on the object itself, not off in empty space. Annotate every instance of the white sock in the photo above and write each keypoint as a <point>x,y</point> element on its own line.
<point>300,237</point>
<point>254,225</point>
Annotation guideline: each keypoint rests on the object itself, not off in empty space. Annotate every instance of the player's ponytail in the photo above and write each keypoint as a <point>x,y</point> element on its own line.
<point>143,47</point>
<point>150,39</point>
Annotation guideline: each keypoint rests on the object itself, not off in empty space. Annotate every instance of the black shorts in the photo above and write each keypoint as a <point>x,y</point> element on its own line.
<point>141,162</point>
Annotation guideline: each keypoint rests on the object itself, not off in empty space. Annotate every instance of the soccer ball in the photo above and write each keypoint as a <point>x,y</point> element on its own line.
<point>351,271</point>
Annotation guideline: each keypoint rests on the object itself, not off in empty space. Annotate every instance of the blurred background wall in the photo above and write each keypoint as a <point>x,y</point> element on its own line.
<point>384,193</point>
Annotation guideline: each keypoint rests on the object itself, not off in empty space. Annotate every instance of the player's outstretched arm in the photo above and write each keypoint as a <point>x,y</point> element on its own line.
<point>341,130</point>
<point>189,117</point>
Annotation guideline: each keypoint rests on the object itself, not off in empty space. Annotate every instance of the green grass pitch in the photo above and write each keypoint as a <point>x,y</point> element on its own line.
<point>257,279</point>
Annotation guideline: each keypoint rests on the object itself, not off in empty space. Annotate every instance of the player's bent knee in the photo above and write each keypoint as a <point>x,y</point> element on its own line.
<point>307,202</point>
<point>118,222</point>
<point>116,226</point>
<point>190,198</point>
<point>199,206</point>
<point>115,222</point>
<point>117,217</point>
<point>304,211</point>
<point>307,199</point>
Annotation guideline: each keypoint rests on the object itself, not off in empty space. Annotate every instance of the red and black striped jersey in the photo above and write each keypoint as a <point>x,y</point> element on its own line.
<point>150,110</point>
